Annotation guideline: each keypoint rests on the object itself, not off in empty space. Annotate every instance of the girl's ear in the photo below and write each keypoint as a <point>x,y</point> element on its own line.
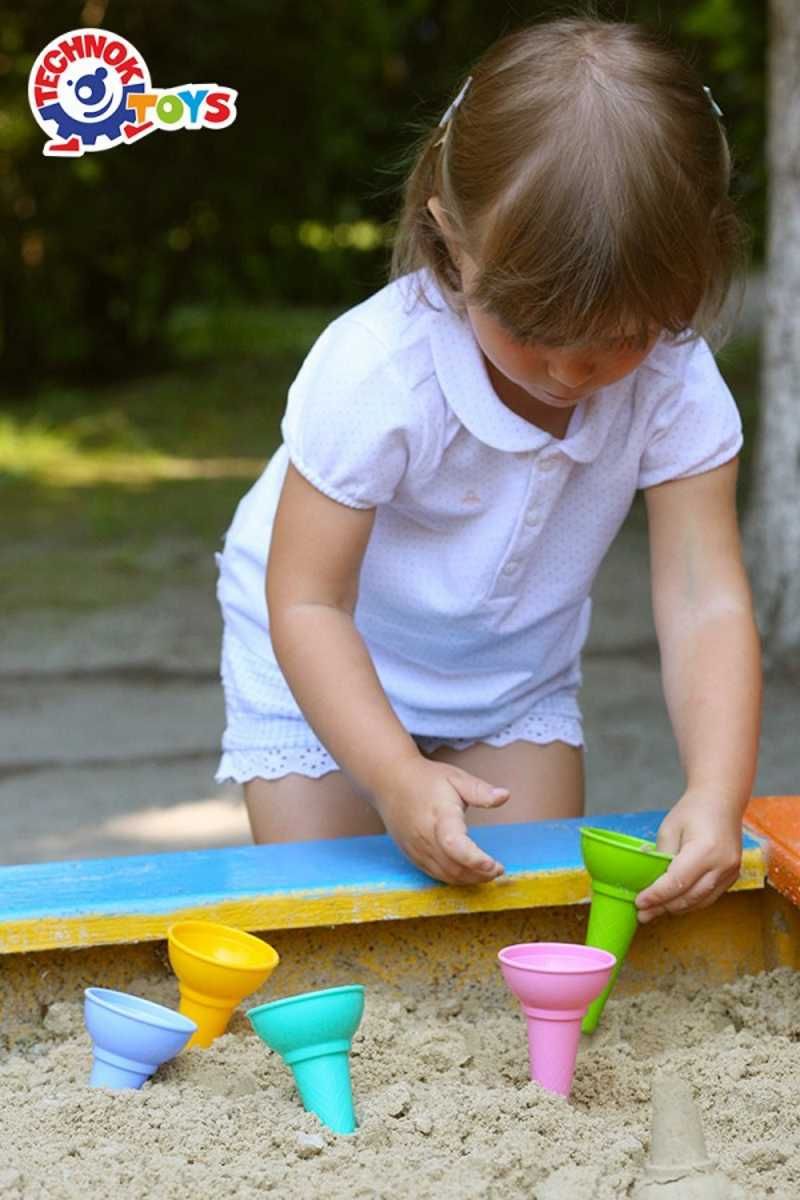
<point>437,212</point>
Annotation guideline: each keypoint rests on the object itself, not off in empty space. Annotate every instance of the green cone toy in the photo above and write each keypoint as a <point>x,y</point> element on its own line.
<point>620,866</point>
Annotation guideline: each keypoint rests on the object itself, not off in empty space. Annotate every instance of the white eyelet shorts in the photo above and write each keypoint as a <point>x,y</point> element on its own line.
<point>266,736</point>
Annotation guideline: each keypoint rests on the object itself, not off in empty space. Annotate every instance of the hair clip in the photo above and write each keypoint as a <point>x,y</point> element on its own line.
<point>452,108</point>
<point>712,101</point>
<point>449,111</point>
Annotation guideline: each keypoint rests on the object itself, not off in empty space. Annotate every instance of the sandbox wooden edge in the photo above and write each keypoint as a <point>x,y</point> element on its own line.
<point>99,902</point>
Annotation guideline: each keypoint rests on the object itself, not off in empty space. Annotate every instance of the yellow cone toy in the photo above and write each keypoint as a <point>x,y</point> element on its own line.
<point>217,966</point>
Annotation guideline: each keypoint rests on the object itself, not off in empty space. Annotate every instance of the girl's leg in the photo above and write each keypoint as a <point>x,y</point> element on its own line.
<point>298,809</point>
<point>546,782</point>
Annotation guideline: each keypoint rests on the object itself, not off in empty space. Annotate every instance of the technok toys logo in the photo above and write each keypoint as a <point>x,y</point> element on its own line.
<point>90,90</point>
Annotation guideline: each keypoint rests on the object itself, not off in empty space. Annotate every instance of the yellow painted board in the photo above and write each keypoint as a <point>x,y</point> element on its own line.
<point>342,906</point>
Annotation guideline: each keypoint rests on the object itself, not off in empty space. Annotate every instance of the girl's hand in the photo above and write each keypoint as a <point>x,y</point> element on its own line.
<point>423,807</point>
<point>705,835</point>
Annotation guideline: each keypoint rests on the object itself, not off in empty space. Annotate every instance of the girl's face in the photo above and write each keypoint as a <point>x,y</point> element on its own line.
<point>561,376</point>
<point>557,376</point>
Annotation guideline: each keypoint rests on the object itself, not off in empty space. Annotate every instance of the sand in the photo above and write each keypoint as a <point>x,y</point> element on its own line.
<point>445,1105</point>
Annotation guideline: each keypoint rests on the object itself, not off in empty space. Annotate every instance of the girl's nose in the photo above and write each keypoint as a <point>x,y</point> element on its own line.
<point>570,372</point>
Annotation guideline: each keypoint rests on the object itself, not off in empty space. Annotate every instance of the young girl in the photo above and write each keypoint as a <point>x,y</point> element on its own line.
<point>460,451</point>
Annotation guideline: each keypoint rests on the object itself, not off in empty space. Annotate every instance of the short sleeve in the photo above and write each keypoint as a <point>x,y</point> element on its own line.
<point>695,424</point>
<point>352,427</point>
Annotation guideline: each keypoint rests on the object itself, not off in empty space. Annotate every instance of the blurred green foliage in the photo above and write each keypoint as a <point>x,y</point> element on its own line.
<point>284,205</point>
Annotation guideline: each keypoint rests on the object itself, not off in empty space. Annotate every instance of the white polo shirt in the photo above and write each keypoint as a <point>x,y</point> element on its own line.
<point>474,591</point>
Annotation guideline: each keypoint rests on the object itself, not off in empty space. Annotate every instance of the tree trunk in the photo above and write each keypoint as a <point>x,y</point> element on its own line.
<point>773,527</point>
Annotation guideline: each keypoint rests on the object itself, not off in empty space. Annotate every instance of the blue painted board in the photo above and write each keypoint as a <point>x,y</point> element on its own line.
<point>162,882</point>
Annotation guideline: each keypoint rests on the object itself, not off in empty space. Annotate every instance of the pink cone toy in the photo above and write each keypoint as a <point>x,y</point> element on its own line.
<point>555,982</point>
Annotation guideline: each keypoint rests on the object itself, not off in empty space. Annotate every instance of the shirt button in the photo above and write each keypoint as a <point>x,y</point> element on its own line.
<point>547,464</point>
<point>531,516</point>
<point>510,567</point>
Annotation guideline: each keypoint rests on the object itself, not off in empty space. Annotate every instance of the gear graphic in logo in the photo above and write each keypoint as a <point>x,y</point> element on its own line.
<point>79,88</point>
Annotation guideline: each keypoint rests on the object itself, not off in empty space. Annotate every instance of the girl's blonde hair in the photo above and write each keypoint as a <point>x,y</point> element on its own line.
<point>586,174</point>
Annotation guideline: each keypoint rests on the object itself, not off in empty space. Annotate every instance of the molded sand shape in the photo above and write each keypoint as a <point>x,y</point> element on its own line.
<point>679,1167</point>
<point>217,966</point>
<point>554,982</point>
<point>313,1033</point>
<point>131,1037</point>
<point>620,867</point>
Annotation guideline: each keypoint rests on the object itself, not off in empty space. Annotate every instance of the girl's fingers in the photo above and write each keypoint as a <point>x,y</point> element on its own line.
<point>703,887</point>
<point>683,873</point>
<point>434,865</point>
<point>451,872</point>
<point>668,842</point>
<point>439,869</point>
<point>715,895</point>
<point>434,861</point>
<point>707,889</point>
<point>459,848</point>
<point>448,872</point>
<point>646,915</point>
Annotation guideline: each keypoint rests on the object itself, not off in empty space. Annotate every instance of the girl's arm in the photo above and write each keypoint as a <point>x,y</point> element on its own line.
<point>312,586</point>
<point>711,675</point>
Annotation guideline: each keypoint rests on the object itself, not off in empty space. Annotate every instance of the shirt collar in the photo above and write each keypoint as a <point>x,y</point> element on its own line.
<point>462,376</point>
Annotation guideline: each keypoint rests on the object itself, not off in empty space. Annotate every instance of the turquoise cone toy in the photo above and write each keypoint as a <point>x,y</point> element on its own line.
<point>620,866</point>
<point>313,1033</point>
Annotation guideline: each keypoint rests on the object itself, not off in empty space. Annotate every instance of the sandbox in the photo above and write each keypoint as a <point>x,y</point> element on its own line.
<point>445,1104</point>
<point>444,1100</point>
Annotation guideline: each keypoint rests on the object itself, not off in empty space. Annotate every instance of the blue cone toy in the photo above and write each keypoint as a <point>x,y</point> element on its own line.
<point>131,1037</point>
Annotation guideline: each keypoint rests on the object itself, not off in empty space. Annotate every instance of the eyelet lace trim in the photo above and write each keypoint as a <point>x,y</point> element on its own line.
<point>314,760</point>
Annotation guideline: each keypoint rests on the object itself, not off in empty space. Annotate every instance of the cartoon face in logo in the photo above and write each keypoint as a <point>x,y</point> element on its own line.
<point>90,95</point>
<point>90,90</point>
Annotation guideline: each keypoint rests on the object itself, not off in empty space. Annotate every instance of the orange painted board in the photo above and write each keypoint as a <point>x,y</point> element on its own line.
<point>777,818</point>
